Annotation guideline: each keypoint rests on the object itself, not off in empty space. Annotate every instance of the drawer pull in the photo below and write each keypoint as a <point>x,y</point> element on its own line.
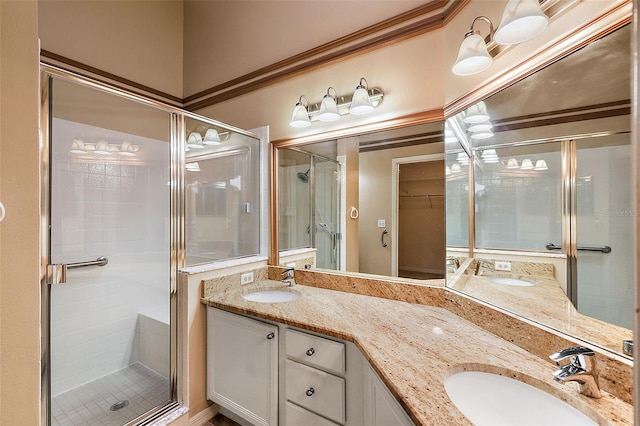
<point>310,351</point>
<point>271,336</point>
<point>310,391</point>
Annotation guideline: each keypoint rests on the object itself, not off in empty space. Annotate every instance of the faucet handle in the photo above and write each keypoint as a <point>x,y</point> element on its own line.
<point>287,270</point>
<point>571,352</point>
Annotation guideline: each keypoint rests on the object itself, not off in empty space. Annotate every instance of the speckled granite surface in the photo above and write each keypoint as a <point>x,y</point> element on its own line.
<point>413,346</point>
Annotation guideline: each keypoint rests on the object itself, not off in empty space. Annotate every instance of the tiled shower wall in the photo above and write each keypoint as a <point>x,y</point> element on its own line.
<point>119,209</point>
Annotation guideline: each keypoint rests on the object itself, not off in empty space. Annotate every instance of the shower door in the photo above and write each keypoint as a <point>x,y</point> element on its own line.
<point>109,223</point>
<point>604,219</point>
<point>326,188</point>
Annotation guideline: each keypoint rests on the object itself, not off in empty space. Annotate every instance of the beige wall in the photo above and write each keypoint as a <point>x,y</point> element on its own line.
<point>141,41</point>
<point>375,203</point>
<point>409,72</point>
<point>19,232</point>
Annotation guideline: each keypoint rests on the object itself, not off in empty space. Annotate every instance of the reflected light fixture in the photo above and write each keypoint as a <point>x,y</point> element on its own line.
<point>482,135</point>
<point>449,136</point>
<point>526,164</point>
<point>328,107</point>
<point>447,170</point>
<point>300,116</point>
<point>194,140</point>
<point>473,56</point>
<point>360,101</point>
<point>127,149</point>
<point>455,168</point>
<point>541,165</point>
<point>480,127</point>
<point>102,148</point>
<point>512,164</point>
<point>211,137</point>
<point>192,167</point>
<point>462,158</point>
<point>490,156</point>
<point>77,147</point>
<point>521,20</point>
<point>476,113</point>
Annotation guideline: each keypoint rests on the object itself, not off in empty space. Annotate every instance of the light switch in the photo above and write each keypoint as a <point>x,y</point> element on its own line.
<point>382,223</point>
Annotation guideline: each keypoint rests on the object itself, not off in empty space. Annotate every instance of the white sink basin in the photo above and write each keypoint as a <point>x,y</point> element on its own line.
<point>491,399</point>
<point>512,281</point>
<point>272,296</point>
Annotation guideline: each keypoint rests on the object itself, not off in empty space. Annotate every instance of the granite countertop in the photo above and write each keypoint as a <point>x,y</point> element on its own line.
<point>414,347</point>
<point>556,311</point>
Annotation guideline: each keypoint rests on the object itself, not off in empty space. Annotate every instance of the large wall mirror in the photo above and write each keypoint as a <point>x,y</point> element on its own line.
<point>546,165</point>
<point>368,203</point>
<point>541,184</point>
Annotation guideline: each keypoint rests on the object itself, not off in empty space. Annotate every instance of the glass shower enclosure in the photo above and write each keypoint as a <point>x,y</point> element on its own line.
<point>309,189</point>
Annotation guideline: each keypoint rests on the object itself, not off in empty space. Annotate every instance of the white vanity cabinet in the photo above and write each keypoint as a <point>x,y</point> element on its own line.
<point>242,366</point>
<point>315,382</point>
<point>264,373</point>
<point>381,407</point>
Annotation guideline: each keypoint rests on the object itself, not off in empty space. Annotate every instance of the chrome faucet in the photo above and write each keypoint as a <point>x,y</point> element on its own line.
<point>287,277</point>
<point>452,263</point>
<point>483,265</point>
<point>581,369</point>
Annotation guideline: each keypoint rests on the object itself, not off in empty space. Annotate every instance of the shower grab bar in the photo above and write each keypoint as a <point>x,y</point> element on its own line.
<point>101,261</point>
<point>57,273</point>
<point>603,249</point>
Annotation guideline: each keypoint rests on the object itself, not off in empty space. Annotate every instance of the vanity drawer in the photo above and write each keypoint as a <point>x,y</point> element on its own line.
<point>324,353</point>
<point>320,392</point>
<point>297,416</point>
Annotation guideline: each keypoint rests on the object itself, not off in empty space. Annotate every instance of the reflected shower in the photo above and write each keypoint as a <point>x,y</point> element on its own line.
<point>304,177</point>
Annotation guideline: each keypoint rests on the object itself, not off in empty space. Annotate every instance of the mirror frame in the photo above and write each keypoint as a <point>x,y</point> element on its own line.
<point>424,117</point>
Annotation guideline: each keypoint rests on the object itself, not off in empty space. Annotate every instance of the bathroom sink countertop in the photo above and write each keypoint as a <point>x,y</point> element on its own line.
<point>414,347</point>
<point>556,311</point>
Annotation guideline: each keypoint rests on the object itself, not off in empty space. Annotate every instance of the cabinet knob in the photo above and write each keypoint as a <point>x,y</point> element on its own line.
<point>310,391</point>
<point>310,351</point>
<point>271,336</point>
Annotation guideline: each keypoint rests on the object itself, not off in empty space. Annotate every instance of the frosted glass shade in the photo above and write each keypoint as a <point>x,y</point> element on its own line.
<point>476,114</point>
<point>211,137</point>
<point>473,56</point>
<point>512,164</point>
<point>194,140</point>
<point>77,147</point>
<point>526,164</point>
<point>480,127</point>
<point>522,20</point>
<point>360,103</point>
<point>102,148</point>
<point>328,109</point>
<point>300,117</point>
<point>541,165</point>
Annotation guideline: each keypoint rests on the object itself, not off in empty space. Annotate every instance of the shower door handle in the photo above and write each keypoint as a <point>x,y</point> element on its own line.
<point>603,249</point>
<point>57,273</point>
<point>384,244</point>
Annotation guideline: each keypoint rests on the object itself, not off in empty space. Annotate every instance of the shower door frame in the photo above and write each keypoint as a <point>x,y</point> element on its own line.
<point>177,243</point>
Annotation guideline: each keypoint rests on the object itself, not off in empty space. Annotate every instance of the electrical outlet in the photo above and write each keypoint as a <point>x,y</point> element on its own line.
<point>246,278</point>
<point>382,223</point>
<point>503,266</point>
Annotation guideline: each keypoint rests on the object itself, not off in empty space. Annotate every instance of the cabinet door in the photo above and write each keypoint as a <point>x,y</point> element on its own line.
<point>381,407</point>
<point>242,366</point>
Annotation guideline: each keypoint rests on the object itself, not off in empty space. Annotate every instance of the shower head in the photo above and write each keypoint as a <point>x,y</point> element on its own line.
<point>304,177</point>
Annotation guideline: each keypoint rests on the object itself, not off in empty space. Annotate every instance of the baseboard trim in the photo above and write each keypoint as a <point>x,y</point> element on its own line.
<point>204,416</point>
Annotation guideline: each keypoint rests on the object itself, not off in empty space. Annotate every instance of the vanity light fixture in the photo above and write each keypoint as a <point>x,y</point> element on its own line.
<point>360,101</point>
<point>480,127</point>
<point>455,168</point>
<point>329,107</point>
<point>447,170</point>
<point>490,156</point>
<point>192,167</point>
<point>526,164</point>
<point>521,21</point>
<point>211,137</point>
<point>541,165</point>
<point>482,135</point>
<point>476,113</point>
<point>300,117</point>
<point>512,164</point>
<point>102,148</point>
<point>462,159</point>
<point>77,147</point>
<point>194,141</point>
<point>473,56</point>
<point>333,106</point>
<point>127,149</point>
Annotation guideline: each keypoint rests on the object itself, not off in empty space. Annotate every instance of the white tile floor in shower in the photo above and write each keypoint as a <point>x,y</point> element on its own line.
<point>90,404</point>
